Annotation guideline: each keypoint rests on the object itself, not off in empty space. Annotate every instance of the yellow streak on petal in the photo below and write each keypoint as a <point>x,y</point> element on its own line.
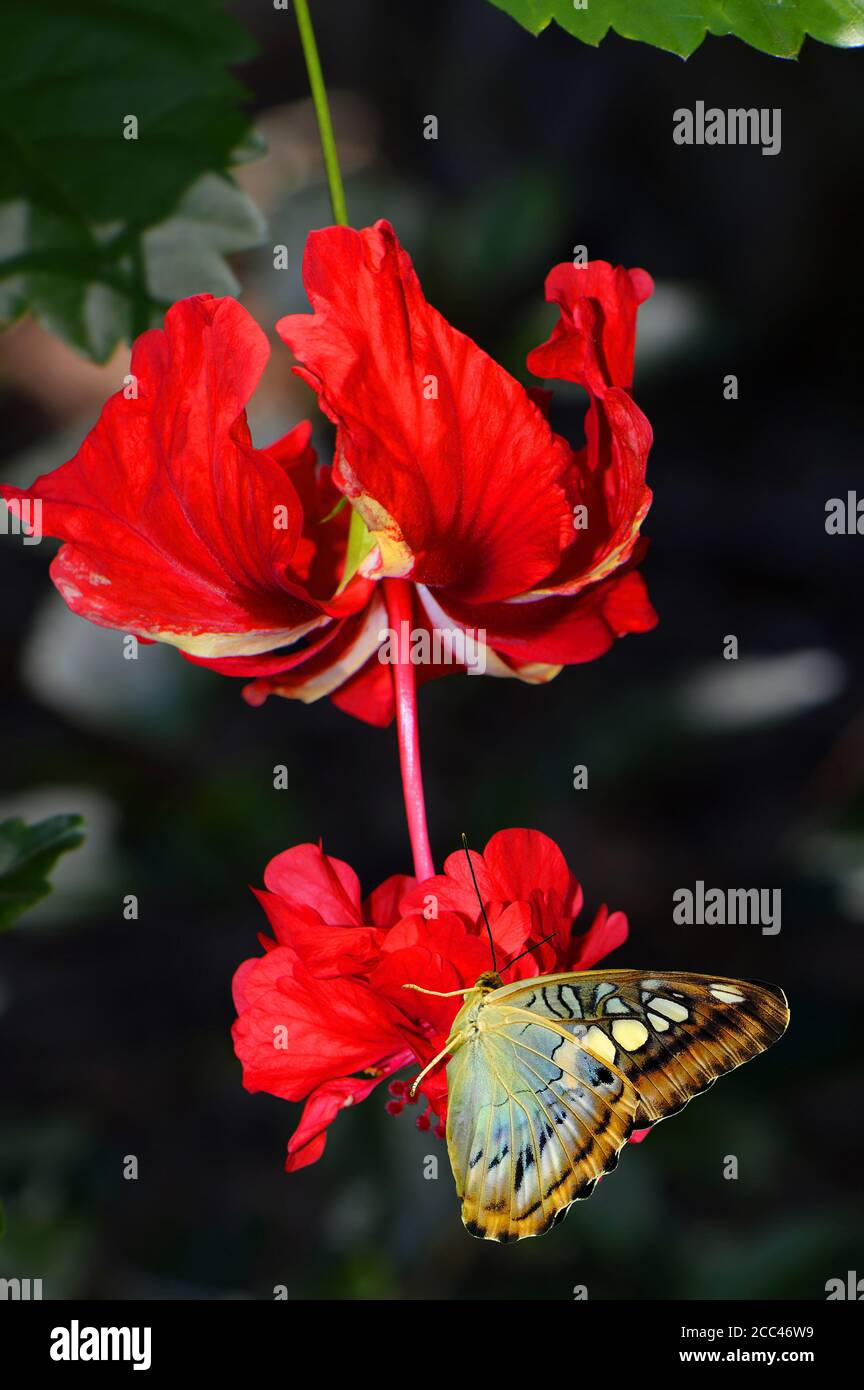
<point>328,680</point>
<point>391,557</point>
<point>221,644</point>
<point>532,673</point>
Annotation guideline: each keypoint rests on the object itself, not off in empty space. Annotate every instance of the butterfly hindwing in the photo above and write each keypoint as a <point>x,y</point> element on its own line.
<point>555,1073</point>
<point>534,1119</point>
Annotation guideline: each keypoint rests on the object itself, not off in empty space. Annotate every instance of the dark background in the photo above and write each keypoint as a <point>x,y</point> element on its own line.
<point>115,1034</point>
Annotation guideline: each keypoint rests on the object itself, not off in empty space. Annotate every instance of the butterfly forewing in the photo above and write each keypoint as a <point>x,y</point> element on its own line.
<point>555,1073</point>
<point>671,1034</point>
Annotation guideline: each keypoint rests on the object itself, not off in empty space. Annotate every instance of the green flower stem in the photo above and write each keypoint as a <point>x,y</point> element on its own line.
<point>397,593</point>
<point>322,112</point>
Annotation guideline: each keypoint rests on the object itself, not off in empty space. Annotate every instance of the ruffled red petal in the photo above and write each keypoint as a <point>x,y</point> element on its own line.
<point>453,467</point>
<point>176,528</point>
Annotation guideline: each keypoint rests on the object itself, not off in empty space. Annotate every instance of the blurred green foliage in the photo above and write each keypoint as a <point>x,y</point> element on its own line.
<point>27,854</point>
<point>104,223</point>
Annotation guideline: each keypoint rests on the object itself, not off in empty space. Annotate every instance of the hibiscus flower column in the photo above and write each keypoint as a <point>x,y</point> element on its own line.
<point>399,599</point>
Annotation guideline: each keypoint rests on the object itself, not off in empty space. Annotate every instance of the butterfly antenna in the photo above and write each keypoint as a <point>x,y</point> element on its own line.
<point>480,900</point>
<point>532,947</point>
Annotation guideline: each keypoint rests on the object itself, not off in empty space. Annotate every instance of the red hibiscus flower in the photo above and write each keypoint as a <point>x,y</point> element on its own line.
<point>520,551</point>
<point>323,1015</point>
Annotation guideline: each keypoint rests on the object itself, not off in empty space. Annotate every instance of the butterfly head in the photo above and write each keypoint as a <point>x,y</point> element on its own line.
<point>489,980</point>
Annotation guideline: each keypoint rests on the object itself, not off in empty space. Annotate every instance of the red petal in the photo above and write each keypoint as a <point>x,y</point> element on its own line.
<point>626,606</point>
<point>168,511</point>
<point>382,905</point>
<point>439,955</point>
<point>368,695</point>
<point>278,663</point>
<point>608,478</point>
<point>447,935</point>
<point>463,490</point>
<point>521,862</point>
<point>306,1144</point>
<point>330,1027</point>
<point>638,1135</point>
<point>606,933</point>
<point>296,455</point>
<point>326,951</point>
<point>305,875</point>
<point>593,341</point>
<point>326,522</point>
<point>511,931</point>
<point>563,631</point>
<point>323,667</point>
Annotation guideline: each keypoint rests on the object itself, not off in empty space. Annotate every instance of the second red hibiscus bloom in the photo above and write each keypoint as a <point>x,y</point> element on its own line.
<point>323,1015</point>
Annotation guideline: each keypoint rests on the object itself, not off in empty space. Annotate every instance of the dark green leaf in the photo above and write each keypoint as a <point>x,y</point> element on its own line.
<point>778,27</point>
<point>99,232</point>
<point>27,855</point>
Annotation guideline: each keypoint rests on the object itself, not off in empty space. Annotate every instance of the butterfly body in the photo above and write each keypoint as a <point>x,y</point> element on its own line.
<point>548,1077</point>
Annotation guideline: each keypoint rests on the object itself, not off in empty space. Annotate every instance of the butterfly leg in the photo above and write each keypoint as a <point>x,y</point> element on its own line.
<point>440,994</point>
<point>450,1046</point>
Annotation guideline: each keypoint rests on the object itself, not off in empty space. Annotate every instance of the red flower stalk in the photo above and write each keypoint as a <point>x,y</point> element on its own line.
<point>520,551</point>
<point>323,1015</point>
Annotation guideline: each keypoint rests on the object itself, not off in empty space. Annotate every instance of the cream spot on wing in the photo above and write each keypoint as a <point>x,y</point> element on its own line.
<point>661,1024</point>
<point>728,996</point>
<point>600,1043</point>
<point>615,1006</point>
<point>676,1012</point>
<point>601,991</point>
<point>630,1033</point>
<point>566,1056</point>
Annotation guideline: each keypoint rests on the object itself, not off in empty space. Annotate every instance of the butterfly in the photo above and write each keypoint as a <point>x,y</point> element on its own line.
<point>547,1078</point>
